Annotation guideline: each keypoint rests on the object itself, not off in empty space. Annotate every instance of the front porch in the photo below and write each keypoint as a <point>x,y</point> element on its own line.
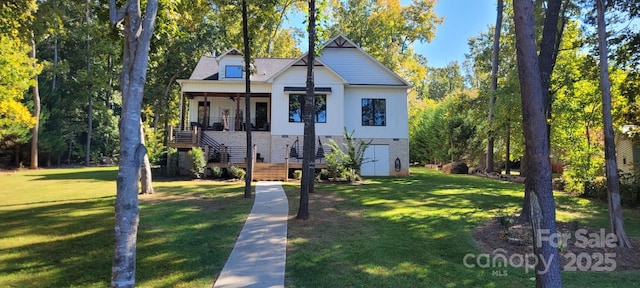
<point>211,111</point>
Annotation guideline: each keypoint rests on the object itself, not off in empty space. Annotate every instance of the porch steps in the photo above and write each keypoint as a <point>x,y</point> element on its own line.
<point>269,172</point>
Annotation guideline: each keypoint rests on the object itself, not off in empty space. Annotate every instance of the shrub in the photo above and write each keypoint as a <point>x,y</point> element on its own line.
<point>216,172</point>
<point>629,188</point>
<point>352,176</point>
<point>198,162</point>
<point>324,174</point>
<point>172,162</point>
<point>235,172</point>
<point>297,174</point>
<point>334,166</point>
<point>595,188</point>
<point>351,161</point>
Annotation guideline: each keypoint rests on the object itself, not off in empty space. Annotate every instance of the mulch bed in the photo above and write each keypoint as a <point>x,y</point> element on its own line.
<point>586,248</point>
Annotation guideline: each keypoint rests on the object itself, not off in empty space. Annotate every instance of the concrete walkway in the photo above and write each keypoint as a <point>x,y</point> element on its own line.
<point>260,253</point>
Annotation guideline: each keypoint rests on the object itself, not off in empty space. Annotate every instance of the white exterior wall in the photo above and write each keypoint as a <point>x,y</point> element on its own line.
<point>296,77</point>
<point>396,112</point>
<point>624,153</point>
<point>233,60</point>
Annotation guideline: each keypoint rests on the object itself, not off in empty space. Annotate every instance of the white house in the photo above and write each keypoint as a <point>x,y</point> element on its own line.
<point>627,150</point>
<point>353,90</point>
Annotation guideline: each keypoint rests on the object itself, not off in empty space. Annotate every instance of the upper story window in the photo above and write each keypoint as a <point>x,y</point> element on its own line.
<point>374,112</point>
<point>296,106</point>
<point>233,71</point>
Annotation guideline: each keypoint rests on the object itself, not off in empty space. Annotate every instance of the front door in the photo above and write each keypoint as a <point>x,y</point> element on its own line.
<point>203,114</point>
<point>262,114</point>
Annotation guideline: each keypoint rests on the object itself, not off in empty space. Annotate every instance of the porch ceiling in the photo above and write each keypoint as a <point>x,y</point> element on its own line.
<point>191,95</point>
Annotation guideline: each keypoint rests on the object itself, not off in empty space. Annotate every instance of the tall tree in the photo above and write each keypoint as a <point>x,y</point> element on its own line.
<point>494,83</point>
<point>35,90</point>
<point>443,81</point>
<point>308,143</point>
<point>543,218</point>
<point>247,99</point>
<point>615,209</point>
<point>146,179</point>
<point>18,70</point>
<point>138,31</point>
<point>549,46</point>
<point>87,19</point>
<point>386,29</point>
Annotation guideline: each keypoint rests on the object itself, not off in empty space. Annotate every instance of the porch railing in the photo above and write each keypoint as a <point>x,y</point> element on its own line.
<point>187,136</point>
<point>229,124</point>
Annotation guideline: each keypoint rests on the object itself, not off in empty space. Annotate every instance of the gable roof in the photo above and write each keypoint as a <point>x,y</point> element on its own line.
<point>267,69</point>
<point>207,68</point>
<point>344,47</point>
<point>302,61</point>
<point>232,51</point>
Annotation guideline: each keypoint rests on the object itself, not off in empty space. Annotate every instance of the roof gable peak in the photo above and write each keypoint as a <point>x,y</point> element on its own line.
<point>232,51</point>
<point>340,41</point>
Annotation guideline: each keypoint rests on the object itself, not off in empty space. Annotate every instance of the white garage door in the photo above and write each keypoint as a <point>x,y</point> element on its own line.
<point>379,167</point>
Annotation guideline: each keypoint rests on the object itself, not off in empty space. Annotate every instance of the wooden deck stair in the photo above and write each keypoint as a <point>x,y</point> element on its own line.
<point>269,172</point>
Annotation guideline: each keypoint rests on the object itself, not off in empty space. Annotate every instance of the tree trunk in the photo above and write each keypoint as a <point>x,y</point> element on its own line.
<point>146,179</point>
<point>138,31</point>
<point>54,77</point>
<point>507,156</point>
<point>247,101</point>
<point>87,158</point>
<point>167,104</point>
<point>36,111</point>
<point>549,46</point>
<point>309,140</point>
<point>615,210</point>
<point>535,132</point>
<point>494,85</point>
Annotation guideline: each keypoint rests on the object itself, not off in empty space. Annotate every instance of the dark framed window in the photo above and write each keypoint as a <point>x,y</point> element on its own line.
<point>296,106</point>
<point>374,112</point>
<point>233,71</point>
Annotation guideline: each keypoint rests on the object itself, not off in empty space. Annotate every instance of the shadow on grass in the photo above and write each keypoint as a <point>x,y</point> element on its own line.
<point>184,239</point>
<point>401,232</point>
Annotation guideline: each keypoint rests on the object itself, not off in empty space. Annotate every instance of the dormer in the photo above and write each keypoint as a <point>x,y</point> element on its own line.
<point>231,65</point>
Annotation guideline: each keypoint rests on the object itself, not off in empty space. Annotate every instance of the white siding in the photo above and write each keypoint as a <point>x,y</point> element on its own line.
<point>358,68</point>
<point>624,154</point>
<point>397,117</point>
<point>296,77</point>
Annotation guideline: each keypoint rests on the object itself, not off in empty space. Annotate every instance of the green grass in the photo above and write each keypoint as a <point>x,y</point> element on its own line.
<point>57,229</point>
<point>415,232</point>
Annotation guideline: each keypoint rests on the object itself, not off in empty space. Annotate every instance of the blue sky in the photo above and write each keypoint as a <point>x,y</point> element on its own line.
<point>462,19</point>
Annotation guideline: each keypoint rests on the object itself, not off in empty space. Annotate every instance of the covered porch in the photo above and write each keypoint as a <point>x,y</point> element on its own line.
<point>223,111</point>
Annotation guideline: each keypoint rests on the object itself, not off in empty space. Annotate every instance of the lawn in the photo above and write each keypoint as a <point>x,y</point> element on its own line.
<point>57,229</point>
<point>415,232</point>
